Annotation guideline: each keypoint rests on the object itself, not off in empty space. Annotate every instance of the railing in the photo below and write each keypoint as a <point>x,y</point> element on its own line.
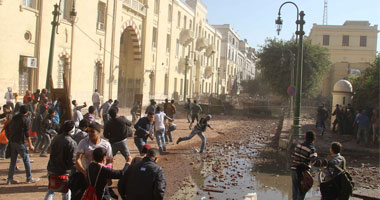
<point>135,6</point>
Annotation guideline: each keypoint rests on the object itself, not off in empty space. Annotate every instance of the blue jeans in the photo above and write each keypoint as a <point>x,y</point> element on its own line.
<point>3,148</point>
<point>40,139</point>
<point>50,195</point>
<point>122,147</point>
<point>19,149</point>
<point>140,142</point>
<point>296,194</point>
<point>365,132</point>
<point>168,136</point>
<point>46,142</point>
<point>160,138</point>
<point>200,134</point>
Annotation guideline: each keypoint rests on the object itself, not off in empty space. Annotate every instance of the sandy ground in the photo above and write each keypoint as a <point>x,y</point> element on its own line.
<point>175,162</point>
<point>180,162</point>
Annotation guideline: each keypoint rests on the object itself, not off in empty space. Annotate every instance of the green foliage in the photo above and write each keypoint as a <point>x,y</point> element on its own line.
<point>366,87</point>
<point>277,57</point>
<point>255,87</point>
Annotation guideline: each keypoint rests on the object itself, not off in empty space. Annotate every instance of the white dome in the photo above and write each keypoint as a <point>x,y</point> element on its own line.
<point>342,86</point>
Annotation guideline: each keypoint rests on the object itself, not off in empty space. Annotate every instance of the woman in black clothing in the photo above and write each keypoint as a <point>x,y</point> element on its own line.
<point>106,172</point>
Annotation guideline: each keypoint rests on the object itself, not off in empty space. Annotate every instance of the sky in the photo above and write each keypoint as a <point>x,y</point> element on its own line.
<point>254,20</point>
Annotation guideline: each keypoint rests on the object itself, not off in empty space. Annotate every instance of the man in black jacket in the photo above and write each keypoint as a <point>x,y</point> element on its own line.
<point>115,131</point>
<point>19,130</point>
<point>143,180</point>
<point>143,128</point>
<point>62,156</point>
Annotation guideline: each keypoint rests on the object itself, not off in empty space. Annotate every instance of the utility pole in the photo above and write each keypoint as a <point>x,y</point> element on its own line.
<point>185,84</point>
<point>55,24</point>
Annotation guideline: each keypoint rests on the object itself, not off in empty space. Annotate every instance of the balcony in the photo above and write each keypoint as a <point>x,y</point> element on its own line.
<point>210,50</point>
<point>186,37</point>
<point>135,6</point>
<point>202,43</point>
<point>208,72</point>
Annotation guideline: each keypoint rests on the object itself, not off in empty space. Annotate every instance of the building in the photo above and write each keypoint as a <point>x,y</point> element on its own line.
<point>228,58</point>
<point>121,47</point>
<point>352,48</point>
<point>245,63</point>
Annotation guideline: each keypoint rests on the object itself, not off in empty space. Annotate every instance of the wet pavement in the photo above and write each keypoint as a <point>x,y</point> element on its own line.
<point>233,170</point>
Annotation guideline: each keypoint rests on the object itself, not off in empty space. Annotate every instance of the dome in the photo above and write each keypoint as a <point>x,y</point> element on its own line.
<point>342,86</point>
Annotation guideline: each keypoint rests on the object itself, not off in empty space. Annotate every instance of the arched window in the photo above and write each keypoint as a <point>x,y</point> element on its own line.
<point>98,79</point>
<point>62,66</point>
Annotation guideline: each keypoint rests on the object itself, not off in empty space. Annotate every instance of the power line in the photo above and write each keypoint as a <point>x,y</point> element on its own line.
<point>94,41</point>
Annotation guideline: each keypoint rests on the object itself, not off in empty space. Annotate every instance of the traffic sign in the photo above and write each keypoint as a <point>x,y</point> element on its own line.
<point>292,91</point>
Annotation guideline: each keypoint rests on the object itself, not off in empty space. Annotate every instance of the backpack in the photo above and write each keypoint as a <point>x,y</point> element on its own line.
<point>343,182</point>
<point>90,193</point>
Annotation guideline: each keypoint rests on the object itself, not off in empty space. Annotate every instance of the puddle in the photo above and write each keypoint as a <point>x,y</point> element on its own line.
<point>233,171</point>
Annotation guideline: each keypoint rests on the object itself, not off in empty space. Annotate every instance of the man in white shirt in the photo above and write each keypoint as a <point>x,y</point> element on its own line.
<point>88,145</point>
<point>159,127</point>
<point>96,101</point>
<point>9,98</point>
<point>106,107</point>
<point>77,113</point>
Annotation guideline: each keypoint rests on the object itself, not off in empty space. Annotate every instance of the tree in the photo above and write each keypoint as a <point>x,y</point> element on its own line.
<point>366,87</point>
<point>255,87</point>
<point>277,57</point>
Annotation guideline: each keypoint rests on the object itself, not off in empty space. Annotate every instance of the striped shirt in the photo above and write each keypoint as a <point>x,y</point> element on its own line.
<point>304,156</point>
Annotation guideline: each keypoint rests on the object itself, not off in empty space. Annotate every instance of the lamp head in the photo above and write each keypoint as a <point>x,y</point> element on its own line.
<point>279,24</point>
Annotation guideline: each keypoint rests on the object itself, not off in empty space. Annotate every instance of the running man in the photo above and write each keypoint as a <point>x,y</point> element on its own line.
<point>199,129</point>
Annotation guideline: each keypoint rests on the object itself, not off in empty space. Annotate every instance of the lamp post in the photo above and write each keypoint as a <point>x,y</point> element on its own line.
<point>55,24</point>
<point>300,22</point>
<point>186,67</point>
<point>73,17</point>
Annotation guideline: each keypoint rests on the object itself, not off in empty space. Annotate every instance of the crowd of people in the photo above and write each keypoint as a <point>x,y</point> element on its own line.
<point>348,121</point>
<point>80,161</point>
<point>79,157</point>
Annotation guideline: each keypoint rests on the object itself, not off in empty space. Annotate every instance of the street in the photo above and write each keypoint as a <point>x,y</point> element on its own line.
<point>239,159</point>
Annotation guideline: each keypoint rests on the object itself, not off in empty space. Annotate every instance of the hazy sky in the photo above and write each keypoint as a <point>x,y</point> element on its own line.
<point>255,19</point>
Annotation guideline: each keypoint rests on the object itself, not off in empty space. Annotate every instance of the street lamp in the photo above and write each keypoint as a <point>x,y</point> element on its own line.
<point>186,67</point>
<point>73,18</point>
<point>55,24</point>
<point>300,22</point>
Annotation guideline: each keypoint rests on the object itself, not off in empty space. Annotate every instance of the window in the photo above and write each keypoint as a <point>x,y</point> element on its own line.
<point>183,51</point>
<point>168,43</point>
<point>181,89</point>
<point>346,40</point>
<point>61,71</point>
<point>191,25</point>
<point>177,48</point>
<point>179,20</point>
<point>29,3</point>
<point>363,41</point>
<point>170,13</point>
<point>184,22</point>
<point>326,40</point>
<point>156,6</point>
<point>154,39</point>
<point>66,6</point>
<point>166,86</point>
<point>175,84</point>
<point>98,80</point>
<point>101,16</point>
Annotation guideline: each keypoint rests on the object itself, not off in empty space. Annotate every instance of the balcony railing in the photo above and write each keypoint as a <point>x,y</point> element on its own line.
<point>135,6</point>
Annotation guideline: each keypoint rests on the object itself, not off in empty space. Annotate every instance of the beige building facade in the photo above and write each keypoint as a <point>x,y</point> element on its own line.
<point>352,48</point>
<point>120,47</point>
